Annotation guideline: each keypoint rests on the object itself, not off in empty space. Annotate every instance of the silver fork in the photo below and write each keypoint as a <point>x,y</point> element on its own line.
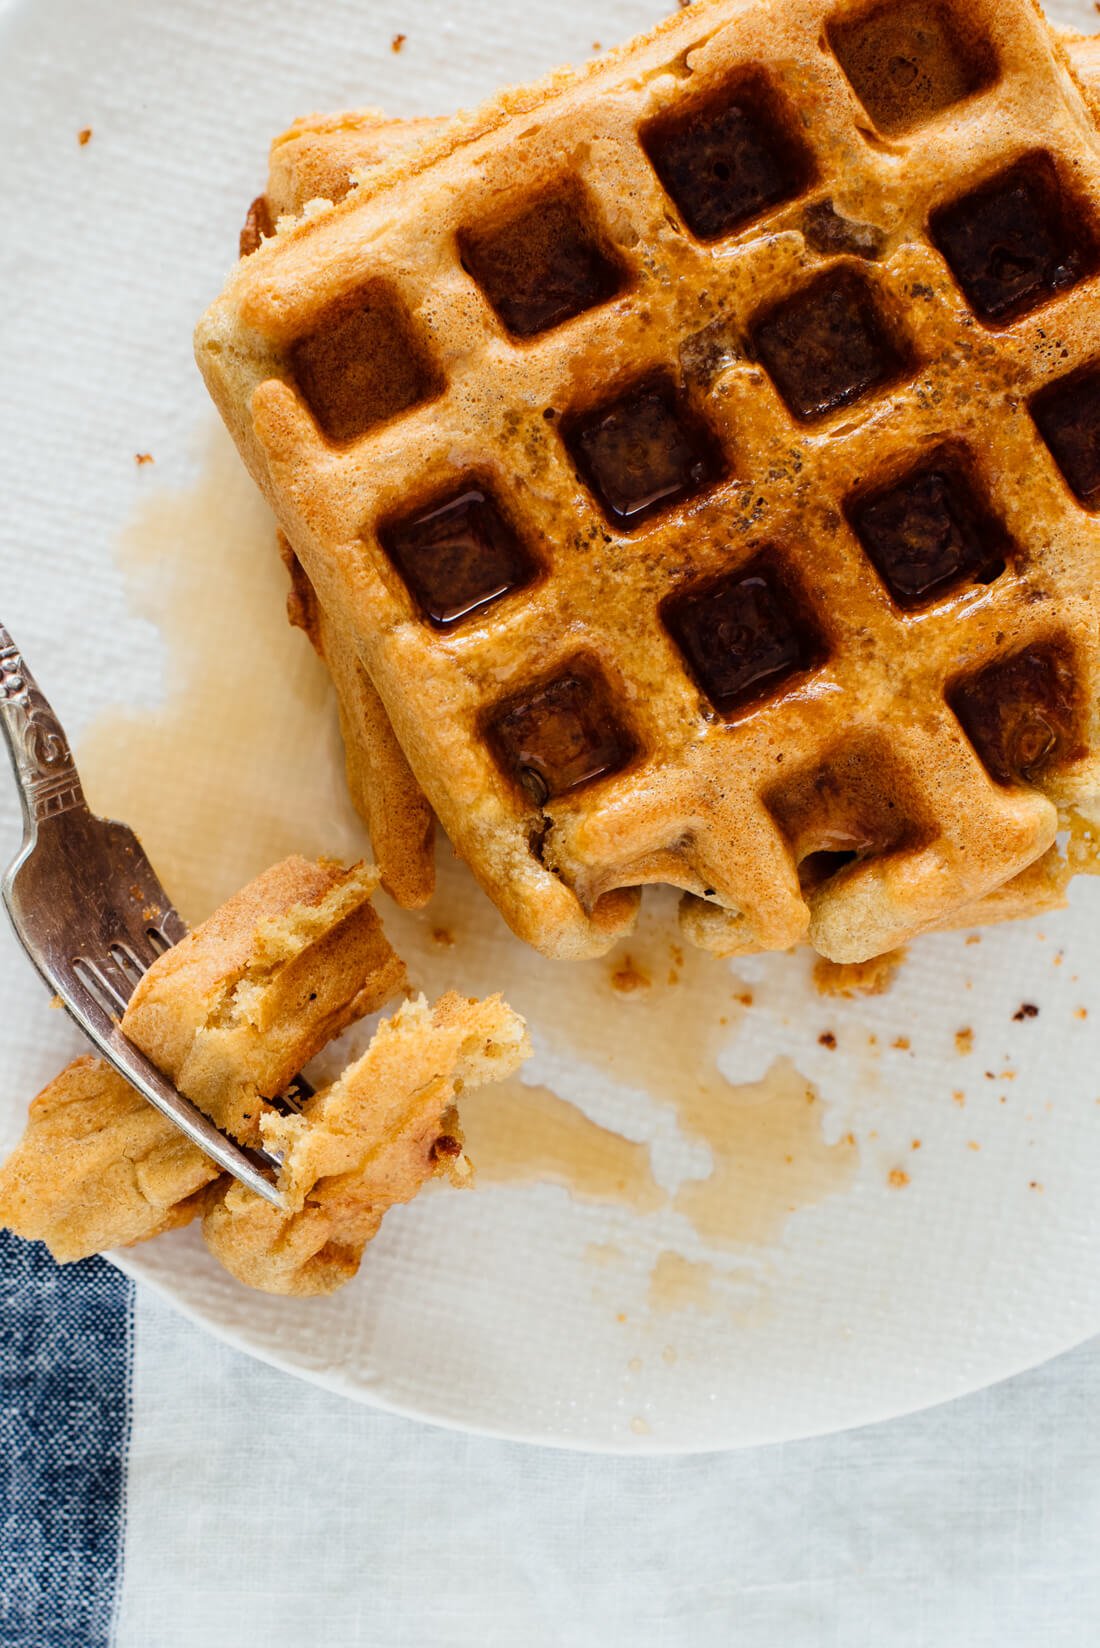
<point>89,911</point>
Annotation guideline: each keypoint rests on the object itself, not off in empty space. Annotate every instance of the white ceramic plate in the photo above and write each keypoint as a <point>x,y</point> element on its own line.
<point>929,1224</point>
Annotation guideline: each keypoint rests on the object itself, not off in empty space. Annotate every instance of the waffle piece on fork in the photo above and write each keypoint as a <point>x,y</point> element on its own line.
<point>230,1014</point>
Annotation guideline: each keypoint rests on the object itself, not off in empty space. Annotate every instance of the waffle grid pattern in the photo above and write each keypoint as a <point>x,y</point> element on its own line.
<point>855,765</point>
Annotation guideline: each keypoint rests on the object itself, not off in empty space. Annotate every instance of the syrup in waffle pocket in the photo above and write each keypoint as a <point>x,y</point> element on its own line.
<point>703,452</point>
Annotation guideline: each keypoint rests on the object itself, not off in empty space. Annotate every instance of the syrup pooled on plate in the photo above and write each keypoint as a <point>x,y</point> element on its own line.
<point>236,763</point>
<point>519,1133</point>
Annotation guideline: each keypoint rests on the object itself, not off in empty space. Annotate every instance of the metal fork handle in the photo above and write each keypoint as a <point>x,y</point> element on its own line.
<point>49,786</point>
<point>44,768</point>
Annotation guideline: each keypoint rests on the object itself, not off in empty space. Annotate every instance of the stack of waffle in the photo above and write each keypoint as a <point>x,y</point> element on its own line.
<point>689,469</point>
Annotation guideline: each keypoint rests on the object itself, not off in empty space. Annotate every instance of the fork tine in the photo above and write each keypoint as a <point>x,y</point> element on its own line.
<point>133,958</point>
<point>104,984</point>
<point>99,1024</point>
<point>170,929</point>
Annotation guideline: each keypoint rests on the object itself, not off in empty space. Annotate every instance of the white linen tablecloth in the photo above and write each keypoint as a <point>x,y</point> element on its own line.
<point>262,1511</point>
<point>159,1490</point>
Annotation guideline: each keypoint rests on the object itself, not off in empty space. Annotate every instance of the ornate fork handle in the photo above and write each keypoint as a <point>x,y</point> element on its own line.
<point>43,762</point>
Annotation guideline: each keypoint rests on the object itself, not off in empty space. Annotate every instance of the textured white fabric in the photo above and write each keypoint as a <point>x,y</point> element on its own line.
<point>263,1511</point>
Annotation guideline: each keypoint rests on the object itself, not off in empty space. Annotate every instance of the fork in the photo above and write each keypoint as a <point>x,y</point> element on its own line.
<point>89,911</point>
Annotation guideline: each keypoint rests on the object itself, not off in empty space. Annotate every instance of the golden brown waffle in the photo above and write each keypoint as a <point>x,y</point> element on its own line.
<point>380,780</point>
<point>319,157</point>
<point>1084,56</point>
<point>371,1140</point>
<point>98,1167</point>
<point>698,640</point>
<point>316,158</point>
<point>230,1015</point>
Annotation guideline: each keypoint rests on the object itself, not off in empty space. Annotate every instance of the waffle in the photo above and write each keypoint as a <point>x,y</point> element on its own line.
<point>381,783</point>
<point>637,429</point>
<point>236,1009</point>
<point>316,158</point>
<point>99,1168</point>
<point>321,157</point>
<point>372,1139</point>
<point>230,1015</point>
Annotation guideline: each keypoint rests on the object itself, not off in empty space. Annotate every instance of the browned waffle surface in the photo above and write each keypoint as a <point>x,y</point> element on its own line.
<point>380,780</point>
<point>744,538</point>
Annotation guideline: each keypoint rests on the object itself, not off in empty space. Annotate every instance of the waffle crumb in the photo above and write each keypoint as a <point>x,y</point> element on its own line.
<point>84,136</point>
<point>861,978</point>
<point>397,44</point>
<point>143,458</point>
<point>897,1178</point>
<point>964,1041</point>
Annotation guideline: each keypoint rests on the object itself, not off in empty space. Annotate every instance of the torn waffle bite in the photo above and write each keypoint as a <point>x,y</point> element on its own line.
<point>236,1009</point>
<point>805,525</point>
<point>98,1168</point>
<point>230,1015</point>
<point>374,1138</point>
